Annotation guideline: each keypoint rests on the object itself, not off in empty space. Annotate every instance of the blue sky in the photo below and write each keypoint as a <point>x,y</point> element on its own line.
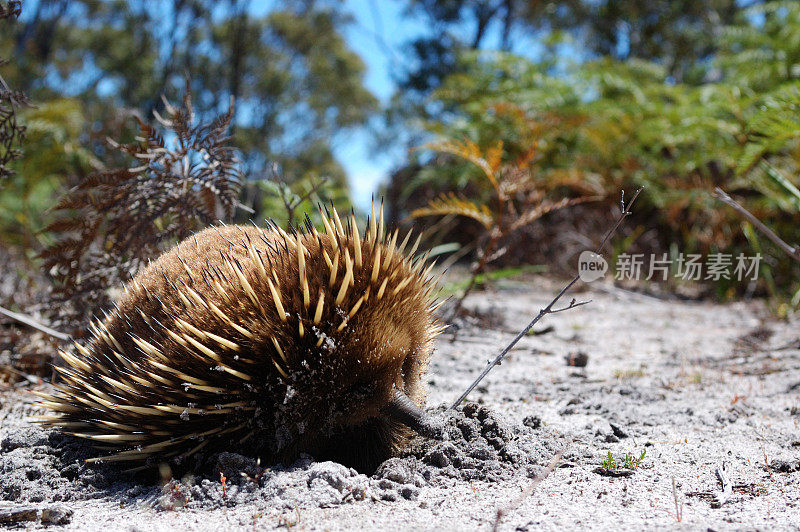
<point>377,35</point>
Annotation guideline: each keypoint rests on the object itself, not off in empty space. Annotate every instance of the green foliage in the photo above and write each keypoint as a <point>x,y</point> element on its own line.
<point>53,156</point>
<point>609,463</point>
<point>612,125</point>
<point>770,163</point>
<point>603,126</point>
<point>762,51</point>
<point>680,35</point>
<point>773,127</point>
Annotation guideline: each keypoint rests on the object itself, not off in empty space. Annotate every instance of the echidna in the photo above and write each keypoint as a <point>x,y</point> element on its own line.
<point>261,342</point>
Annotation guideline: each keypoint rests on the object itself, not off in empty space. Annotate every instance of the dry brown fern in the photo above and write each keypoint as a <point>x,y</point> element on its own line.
<point>115,221</point>
<point>11,133</point>
<point>10,9</point>
<point>517,198</point>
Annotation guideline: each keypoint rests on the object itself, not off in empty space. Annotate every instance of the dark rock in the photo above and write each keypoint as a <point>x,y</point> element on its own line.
<point>785,466</point>
<point>577,359</point>
<point>614,473</point>
<point>533,422</point>
<point>618,432</point>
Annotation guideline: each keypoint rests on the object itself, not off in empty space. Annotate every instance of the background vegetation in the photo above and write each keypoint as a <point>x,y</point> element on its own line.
<point>524,121</point>
<point>679,97</point>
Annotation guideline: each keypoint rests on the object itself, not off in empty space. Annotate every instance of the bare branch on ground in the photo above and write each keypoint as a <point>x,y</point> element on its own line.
<point>551,466</point>
<point>30,322</point>
<point>792,251</point>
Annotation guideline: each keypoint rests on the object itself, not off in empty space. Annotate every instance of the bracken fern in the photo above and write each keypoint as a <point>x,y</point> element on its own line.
<point>517,198</point>
<point>114,221</point>
<point>11,132</point>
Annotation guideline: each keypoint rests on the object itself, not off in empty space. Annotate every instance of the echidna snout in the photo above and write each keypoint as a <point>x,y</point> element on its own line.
<point>260,342</point>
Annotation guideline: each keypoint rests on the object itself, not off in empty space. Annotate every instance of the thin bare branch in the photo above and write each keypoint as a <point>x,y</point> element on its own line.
<point>626,210</point>
<point>245,208</point>
<point>678,504</point>
<point>792,251</point>
<point>551,466</point>
<point>30,322</point>
<point>727,486</point>
<point>572,304</point>
<point>291,199</point>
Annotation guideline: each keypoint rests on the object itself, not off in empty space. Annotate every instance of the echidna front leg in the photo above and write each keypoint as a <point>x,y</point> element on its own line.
<point>402,409</point>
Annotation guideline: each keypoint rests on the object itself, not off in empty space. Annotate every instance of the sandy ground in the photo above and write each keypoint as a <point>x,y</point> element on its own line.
<point>700,388</point>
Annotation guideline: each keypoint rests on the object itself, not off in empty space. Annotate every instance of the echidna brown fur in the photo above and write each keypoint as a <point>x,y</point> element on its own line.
<point>256,341</point>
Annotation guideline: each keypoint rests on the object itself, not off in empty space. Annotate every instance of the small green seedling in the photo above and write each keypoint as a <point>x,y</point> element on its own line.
<point>609,463</point>
<point>629,462</point>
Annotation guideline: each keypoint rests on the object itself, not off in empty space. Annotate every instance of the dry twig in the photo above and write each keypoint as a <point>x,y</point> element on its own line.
<point>551,466</point>
<point>727,486</point>
<point>678,504</point>
<point>792,251</point>
<point>549,308</point>
<point>292,200</point>
<point>30,322</point>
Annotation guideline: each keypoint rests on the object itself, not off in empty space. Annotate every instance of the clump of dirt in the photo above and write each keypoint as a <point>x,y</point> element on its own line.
<point>241,480</point>
<point>39,465</point>
<point>45,466</point>
<point>479,445</point>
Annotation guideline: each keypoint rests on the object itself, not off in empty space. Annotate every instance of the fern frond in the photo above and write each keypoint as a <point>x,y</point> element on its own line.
<point>489,163</point>
<point>452,204</point>
<point>777,123</point>
<point>114,221</point>
<point>11,132</point>
<point>534,213</point>
<point>791,192</point>
<point>576,179</point>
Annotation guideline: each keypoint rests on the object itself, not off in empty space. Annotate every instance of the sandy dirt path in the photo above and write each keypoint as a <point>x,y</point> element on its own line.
<point>697,387</point>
